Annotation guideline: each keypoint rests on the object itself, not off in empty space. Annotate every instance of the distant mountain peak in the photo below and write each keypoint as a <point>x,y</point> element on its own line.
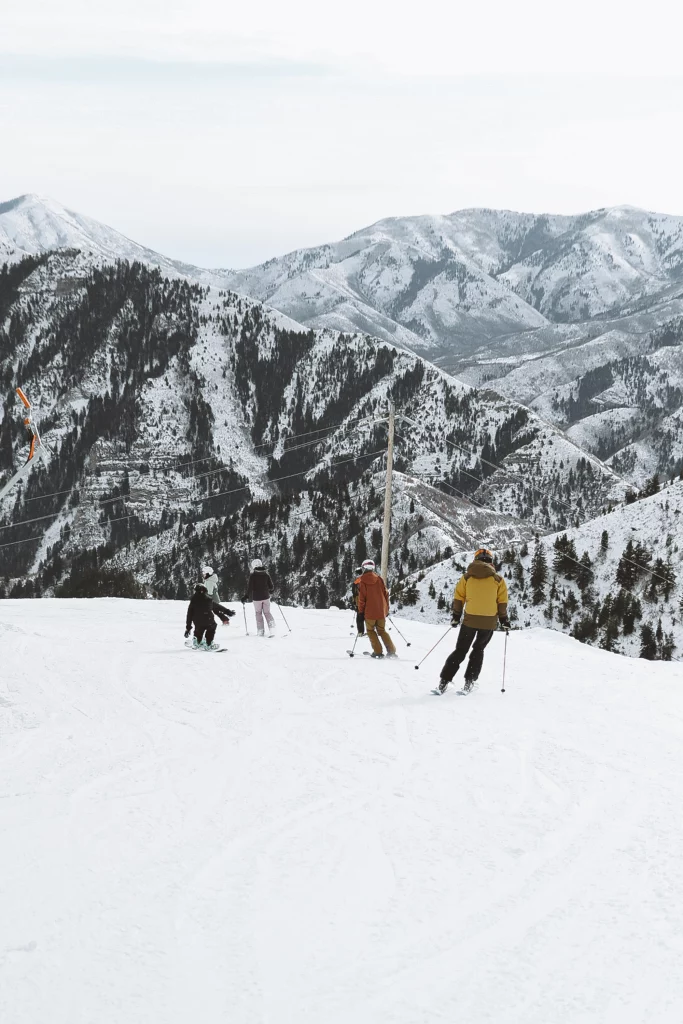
<point>31,224</point>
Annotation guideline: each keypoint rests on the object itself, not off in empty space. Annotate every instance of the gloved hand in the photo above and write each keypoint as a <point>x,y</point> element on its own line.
<point>244,599</point>
<point>187,633</point>
<point>455,620</point>
<point>505,624</point>
<point>360,623</point>
<point>231,613</point>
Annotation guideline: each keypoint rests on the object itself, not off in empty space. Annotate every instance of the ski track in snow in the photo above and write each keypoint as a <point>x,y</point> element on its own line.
<point>286,835</point>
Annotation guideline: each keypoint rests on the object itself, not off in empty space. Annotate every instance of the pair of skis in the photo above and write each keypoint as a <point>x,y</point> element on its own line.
<point>459,693</point>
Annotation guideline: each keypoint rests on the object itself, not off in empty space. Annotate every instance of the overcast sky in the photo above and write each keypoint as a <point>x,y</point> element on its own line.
<point>225,136</point>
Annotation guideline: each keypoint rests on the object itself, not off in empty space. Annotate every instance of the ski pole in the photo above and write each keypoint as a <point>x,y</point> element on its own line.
<point>505,655</point>
<point>354,645</point>
<point>407,642</point>
<point>283,616</point>
<point>434,647</point>
<point>246,627</point>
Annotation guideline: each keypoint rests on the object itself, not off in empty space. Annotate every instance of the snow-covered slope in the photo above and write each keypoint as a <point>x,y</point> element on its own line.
<point>537,304</point>
<point>280,834</point>
<point>33,224</point>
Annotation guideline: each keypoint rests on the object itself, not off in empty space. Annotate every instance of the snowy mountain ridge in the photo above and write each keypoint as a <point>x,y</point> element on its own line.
<point>32,224</point>
<point>181,407</point>
<point>459,281</point>
<point>540,306</point>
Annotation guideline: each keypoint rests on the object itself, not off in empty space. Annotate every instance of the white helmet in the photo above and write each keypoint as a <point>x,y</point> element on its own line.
<point>257,564</point>
<point>368,565</point>
<point>207,571</point>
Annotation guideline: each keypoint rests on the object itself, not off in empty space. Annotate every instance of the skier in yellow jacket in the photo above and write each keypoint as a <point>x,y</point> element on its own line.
<point>484,596</point>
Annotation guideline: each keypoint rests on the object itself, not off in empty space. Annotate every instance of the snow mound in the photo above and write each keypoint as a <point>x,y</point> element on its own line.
<point>281,834</point>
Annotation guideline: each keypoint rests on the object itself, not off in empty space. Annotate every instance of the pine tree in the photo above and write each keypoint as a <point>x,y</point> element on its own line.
<point>539,574</point>
<point>610,635</point>
<point>627,569</point>
<point>604,541</point>
<point>584,571</point>
<point>360,550</point>
<point>566,558</point>
<point>648,644</point>
<point>668,647</point>
<point>651,487</point>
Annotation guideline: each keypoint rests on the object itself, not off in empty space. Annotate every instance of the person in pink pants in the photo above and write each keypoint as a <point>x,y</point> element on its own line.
<point>259,591</point>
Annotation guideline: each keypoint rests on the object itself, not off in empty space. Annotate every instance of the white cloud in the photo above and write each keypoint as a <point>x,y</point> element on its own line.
<point>433,36</point>
<point>312,120</point>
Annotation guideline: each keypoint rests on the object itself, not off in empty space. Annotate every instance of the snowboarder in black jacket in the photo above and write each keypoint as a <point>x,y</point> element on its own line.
<point>200,613</point>
<point>259,590</point>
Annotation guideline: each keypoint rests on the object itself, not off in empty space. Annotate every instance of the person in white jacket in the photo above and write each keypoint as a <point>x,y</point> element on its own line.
<point>210,581</point>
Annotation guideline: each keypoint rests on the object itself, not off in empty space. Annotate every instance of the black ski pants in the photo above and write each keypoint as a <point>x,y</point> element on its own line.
<point>467,634</point>
<point>208,629</point>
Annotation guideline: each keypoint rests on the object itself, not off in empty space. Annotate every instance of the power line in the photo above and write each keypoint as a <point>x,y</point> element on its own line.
<point>466,497</point>
<point>54,515</point>
<point>629,561</point>
<point>224,468</point>
<point>290,476</point>
<point>235,490</point>
<point>290,437</point>
<point>332,428</point>
<point>39,497</point>
<point>541,419</point>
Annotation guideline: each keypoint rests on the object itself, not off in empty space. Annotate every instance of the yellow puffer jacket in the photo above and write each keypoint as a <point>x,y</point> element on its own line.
<point>483,594</point>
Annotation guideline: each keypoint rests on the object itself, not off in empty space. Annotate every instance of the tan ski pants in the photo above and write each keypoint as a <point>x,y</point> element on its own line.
<point>375,627</point>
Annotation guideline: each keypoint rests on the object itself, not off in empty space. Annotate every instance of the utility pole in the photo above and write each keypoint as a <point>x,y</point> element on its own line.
<point>387,497</point>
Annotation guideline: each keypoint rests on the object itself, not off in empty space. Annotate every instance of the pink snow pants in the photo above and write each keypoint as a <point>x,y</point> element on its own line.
<point>262,608</point>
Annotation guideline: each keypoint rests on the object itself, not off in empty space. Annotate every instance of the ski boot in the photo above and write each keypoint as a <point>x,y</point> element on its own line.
<point>392,654</point>
<point>443,683</point>
<point>375,655</point>
<point>468,685</point>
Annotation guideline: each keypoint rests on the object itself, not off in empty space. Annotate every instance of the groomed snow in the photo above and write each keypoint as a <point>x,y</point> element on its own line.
<point>282,835</point>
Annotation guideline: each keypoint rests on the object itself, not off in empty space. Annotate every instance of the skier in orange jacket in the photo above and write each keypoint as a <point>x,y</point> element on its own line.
<point>373,603</point>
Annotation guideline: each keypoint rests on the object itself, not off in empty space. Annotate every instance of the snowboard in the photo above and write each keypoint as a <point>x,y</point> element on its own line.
<point>204,650</point>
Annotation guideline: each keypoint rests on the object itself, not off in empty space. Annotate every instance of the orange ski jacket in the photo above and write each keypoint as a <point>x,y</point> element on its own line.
<point>373,599</point>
